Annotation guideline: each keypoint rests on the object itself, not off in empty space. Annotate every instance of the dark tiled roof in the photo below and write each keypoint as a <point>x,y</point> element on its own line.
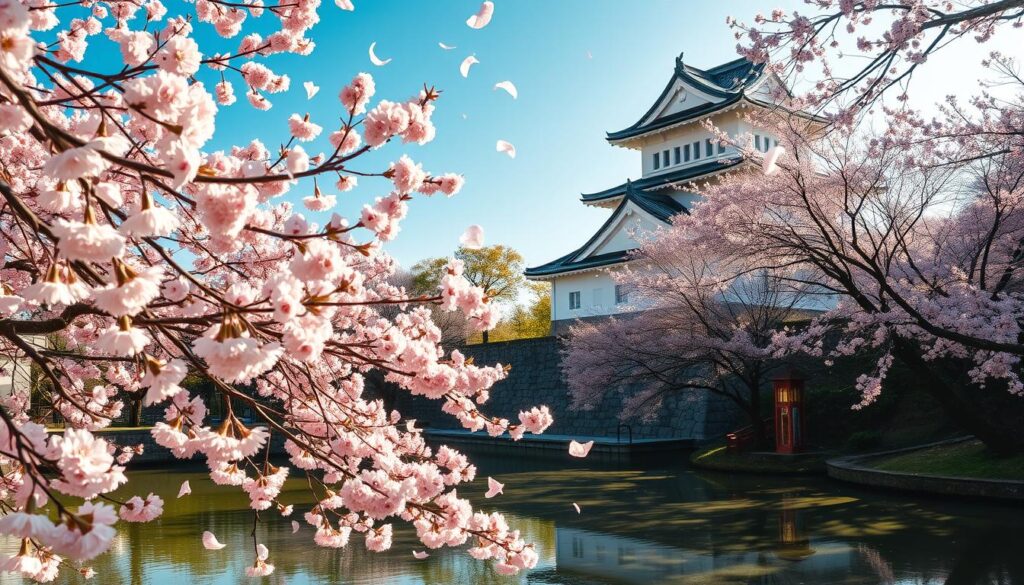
<point>727,81</point>
<point>659,205</point>
<point>677,176</point>
<point>565,263</point>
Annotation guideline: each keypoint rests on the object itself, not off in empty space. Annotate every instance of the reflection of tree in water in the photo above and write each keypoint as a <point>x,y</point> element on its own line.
<point>693,528</point>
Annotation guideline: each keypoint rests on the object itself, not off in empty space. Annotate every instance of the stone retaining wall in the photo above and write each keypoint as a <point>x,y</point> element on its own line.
<point>853,470</point>
<point>536,379</point>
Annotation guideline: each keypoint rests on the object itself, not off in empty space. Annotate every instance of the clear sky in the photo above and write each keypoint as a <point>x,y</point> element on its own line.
<point>582,67</point>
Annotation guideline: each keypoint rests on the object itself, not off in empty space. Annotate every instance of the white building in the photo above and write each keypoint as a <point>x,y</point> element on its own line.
<point>676,150</point>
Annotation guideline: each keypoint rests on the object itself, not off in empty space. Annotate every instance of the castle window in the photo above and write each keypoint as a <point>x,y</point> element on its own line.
<point>664,158</point>
<point>686,153</point>
<point>657,161</point>
<point>721,148</point>
<point>707,147</point>
<point>757,142</point>
<point>621,294</point>
<point>696,150</point>
<point>676,155</point>
<point>574,300</point>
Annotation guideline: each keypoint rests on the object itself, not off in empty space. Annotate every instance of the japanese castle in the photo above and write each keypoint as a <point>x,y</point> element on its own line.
<point>676,151</point>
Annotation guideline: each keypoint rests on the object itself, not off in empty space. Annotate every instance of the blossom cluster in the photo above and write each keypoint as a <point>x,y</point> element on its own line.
<point>146,259</point>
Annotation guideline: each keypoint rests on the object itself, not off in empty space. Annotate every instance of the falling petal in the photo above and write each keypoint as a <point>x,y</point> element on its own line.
<point>472,239</point>
<point>509,87</point>
<point>185,489</point>
<point>482,17</point>
<point>210,541</point>
<point>420,554</point>
<point>410,425</point>
<point>295,526</point>
<point>466,64</point>
<point>493,488</point>
<point>262,552</point>
<point>771,159</point>
<point>589,55</point>
<point>374,59</point>
<point>446,47</point>
<point>311,89</point>
<point>580,449</point>
<point>507,148</point>
<point>345,5</point>
<point>577,506</point>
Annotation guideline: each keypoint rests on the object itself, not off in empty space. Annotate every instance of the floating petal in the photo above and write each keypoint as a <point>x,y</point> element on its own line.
<point>210,541</point>
<point>373,56</point>
<point>345,5</point>
<point>473,239</point>
<point>509,87</point>
<point>446,47</point>
<point>482,17</point>
<point>420,554</point>
<point>311,89</point>
<point>185,489</point>
<point>295,526</point>
<point>507,148</point>
<point>466,64</point>
<point>493,488</point>
<point>577,506</point>
<point>580,449</point>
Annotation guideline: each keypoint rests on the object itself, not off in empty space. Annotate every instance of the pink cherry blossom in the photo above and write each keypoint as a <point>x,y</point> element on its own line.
<point>302,129</point>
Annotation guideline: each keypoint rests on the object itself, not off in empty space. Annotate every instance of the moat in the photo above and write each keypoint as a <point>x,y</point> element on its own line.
<point>644,524</point>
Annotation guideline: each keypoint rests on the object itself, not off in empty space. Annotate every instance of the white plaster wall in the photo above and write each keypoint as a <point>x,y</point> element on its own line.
<point>681,136</point>
<point>620,237</point>
<point>597,295</point>
<point>680,98</point>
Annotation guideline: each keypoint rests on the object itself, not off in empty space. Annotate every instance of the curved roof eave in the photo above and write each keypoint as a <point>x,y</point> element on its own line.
<point>660,207</point>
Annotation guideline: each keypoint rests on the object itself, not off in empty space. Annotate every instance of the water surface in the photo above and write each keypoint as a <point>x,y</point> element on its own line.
<point>639,525</point>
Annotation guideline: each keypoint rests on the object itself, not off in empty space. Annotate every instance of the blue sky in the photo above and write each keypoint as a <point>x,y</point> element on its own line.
<point>566,102</point>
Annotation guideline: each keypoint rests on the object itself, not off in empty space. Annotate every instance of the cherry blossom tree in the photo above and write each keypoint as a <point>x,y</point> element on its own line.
<point>886,41</point>
<point>916,227</point>
<point>701,329</point>
<point>151,258</point>
<point>920,249</point>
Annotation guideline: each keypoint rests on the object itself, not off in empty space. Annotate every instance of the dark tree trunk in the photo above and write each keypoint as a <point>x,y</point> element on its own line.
<point>485,336</point>
<point>135,414</point>
<point>991,414</point>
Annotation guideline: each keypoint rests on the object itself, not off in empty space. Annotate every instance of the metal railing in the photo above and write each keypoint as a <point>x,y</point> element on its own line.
<point>618,433</point>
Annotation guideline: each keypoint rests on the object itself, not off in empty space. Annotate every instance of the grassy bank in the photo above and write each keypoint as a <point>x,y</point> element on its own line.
<point>967,459</point>
<point>720,458</point>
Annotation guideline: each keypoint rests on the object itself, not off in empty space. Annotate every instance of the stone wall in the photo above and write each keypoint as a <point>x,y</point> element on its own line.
<point>536,379</point>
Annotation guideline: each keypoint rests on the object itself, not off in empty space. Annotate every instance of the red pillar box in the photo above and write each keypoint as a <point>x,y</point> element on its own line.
<point>789,416</point>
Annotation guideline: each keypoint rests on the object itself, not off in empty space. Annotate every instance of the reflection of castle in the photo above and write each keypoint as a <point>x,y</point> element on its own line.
<point>618,559</point>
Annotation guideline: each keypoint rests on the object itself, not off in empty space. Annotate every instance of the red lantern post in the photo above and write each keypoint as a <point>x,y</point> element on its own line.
<point>789,420</point>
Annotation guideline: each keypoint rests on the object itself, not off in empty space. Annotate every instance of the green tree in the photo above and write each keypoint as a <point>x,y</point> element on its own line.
<point>532,319</point>
<point>497,269</point>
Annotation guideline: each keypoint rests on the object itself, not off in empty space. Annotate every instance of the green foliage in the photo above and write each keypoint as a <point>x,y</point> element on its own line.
<point>525,321</point>
<point>498,269</point>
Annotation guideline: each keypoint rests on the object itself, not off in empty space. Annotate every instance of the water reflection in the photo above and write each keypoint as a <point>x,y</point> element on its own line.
<point>640,525</point>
